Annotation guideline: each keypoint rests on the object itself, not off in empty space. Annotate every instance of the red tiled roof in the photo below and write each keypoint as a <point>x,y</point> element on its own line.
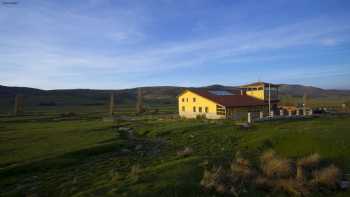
<point>235,100</point>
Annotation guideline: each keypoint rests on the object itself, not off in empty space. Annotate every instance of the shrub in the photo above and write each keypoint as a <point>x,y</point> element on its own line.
<point>327,176</point>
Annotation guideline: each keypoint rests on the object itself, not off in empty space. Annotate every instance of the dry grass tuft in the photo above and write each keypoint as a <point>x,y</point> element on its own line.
<point>327,176</point>
<point>242,169</point>
<point>263,182</point>
<point>185,152</point>
<point>135,172</point>
<point>267,156</point>
<point>309,161</point>
<point>276,168</point>
<point>275,174</point>
<point>211,177</point>
<point>291,186</point>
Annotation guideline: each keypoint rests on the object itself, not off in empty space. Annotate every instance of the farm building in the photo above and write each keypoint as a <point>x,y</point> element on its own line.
<point>230,104</point>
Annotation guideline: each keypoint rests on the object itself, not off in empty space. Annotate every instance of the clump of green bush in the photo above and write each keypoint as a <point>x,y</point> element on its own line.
<point>273,173</point>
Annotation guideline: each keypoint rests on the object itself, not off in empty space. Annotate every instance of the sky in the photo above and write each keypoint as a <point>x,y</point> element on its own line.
<point>115,44</point>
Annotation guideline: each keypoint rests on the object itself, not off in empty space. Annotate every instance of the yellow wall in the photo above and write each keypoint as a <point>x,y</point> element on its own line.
<point>261,94</point>
<point>200,102</point>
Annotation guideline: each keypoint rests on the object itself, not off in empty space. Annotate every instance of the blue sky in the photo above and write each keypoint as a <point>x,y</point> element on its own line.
<point>107,44</point>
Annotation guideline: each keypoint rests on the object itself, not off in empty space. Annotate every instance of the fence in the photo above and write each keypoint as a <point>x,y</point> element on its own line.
<point>281,114</point>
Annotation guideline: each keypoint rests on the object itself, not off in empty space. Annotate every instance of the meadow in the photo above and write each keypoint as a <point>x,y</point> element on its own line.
<point>50,152</point>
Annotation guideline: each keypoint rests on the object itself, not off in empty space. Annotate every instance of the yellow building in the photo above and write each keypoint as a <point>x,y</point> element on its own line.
<point>219,104</point>
<point>263,91</point>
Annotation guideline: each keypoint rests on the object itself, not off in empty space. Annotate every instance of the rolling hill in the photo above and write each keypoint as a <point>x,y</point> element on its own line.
<point>153,95</point>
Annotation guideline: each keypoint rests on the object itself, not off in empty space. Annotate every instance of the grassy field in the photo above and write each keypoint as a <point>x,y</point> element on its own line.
<point>49,153</point>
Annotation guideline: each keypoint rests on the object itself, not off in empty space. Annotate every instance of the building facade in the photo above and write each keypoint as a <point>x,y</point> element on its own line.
<point>230,104</point>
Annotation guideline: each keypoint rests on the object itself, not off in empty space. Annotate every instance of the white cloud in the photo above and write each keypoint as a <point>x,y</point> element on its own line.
<point>72,45</point>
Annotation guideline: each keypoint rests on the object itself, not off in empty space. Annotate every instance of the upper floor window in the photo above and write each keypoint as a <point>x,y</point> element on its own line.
<point>200,109</point>
<point>194,99</point>
<point>183,99</point>
<point>206,109</point>
<point>194,109</point>
<point>186,99</point>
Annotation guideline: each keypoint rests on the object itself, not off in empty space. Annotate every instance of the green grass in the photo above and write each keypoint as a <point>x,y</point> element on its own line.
<point>50,155</point>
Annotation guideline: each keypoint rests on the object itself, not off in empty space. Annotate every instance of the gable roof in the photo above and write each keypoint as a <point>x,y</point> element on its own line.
<point>234,100</point>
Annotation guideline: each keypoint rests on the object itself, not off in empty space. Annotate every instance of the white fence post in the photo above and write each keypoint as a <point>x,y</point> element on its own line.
<point>272,113</point>
<point>290,113</point>
<point>281,112</point>
<point>298,112</point>
<point>310,112</point>
<point>261,115</point>
<point>249,118</point>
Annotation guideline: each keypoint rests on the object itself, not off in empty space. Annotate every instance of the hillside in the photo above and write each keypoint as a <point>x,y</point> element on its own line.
<point>157,95</point>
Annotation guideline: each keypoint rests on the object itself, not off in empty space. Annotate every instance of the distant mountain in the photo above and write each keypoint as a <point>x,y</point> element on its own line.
<point>313,92</point>
<point>152,95</point>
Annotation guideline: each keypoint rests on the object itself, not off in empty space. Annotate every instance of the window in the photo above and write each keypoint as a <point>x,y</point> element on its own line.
<point>261,88</point>
<point>183,99</point>
<point>220,110</point>
<point>200,109</point>
<point>194,99</point>
<point>206,109</point>
<point>186,99</point>
<point>183,108</point>
<point>194,109</point>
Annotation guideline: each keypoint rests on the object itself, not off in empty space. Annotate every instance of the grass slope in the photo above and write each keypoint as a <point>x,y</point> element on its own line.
<point>87,157</point>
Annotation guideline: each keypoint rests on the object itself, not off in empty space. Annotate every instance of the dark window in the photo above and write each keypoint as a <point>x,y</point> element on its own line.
<point>194,99</point>
<point>183,99</point>
<point>206,109</point>
<point>186,99</point>
<point>200,109</point>
<point>220,110</point>
<point>194,109</point>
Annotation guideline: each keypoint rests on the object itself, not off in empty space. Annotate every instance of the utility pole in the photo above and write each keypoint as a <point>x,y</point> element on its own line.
<point>304,103</point>
<point>269,99</point>
<point>111,104</point>
<point>18,104</point>
<point>139,104</point>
